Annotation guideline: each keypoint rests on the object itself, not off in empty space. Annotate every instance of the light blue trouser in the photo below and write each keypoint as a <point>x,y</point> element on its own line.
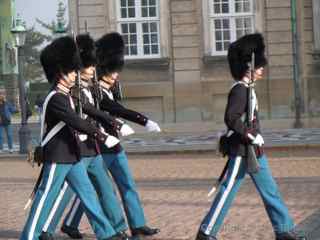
<point>268,190</point>
<point>118,166</point>
<point>54,176</point>
<point>8,130</point>
<point>102,184</point>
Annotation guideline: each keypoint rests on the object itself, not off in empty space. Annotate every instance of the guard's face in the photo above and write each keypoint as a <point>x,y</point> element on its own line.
<point>258,73</point>
<point>110,79</point>
<point>70,79</point>
<point>87,73</point>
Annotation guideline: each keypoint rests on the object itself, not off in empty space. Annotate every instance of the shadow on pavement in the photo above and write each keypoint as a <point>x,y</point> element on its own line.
<point>8,234</point>
<point>311,226</point>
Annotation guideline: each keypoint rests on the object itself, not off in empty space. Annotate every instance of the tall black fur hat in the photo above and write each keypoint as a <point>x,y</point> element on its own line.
<point>60,57</point>
<point>110,53</point>
<point>240,54</point>
<point>87,50</point>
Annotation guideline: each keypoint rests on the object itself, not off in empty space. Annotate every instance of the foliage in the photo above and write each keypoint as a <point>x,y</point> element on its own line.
<point>51,27</point>
<point>32,67</point>
<point>35,40</point>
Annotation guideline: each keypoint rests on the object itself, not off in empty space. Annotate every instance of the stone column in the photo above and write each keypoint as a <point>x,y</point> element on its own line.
<point>186,60</point>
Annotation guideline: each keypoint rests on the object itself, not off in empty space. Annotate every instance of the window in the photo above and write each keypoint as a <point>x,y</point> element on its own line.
<point>228,21</point>
<point>316,19</point>
<point>139,23</point>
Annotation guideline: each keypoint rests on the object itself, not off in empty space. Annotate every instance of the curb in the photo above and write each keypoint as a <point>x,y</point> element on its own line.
<point>289,150</point>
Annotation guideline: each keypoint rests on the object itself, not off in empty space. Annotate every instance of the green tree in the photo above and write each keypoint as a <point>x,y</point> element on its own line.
<point>32,67</point>
<point>51,27</point>
<point>35,40</point>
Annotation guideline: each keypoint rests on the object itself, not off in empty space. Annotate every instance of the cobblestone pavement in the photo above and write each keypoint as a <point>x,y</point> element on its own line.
<point>173,189</point>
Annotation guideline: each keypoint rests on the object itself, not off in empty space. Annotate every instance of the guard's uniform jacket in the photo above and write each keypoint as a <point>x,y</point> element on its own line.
<point>90,146</point>
<point>63,147</point>
<point>235,116</point>
<point>117,110</point>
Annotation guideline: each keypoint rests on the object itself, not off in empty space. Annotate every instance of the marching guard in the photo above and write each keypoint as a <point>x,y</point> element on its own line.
<point>110,57</point>
<point>61,162</point>
<point>89,148</point>
<point>245,51</point>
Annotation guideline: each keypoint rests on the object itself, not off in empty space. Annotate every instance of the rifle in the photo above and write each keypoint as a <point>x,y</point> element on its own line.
<point>252,161</point>
<point>78,81</point>
<point>117,91</point>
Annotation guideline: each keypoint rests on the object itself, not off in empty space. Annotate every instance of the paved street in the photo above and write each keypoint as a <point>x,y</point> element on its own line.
<point>173,189</point>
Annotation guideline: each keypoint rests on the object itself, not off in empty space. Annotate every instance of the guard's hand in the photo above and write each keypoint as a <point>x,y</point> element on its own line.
<point>109,140</point>
<point>83,137</point>
<point>152,126</point>
<point>256,140</point>
<point>126,130</point>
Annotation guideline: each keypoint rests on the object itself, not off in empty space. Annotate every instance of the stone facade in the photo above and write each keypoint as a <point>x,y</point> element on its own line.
<point>187,83</point>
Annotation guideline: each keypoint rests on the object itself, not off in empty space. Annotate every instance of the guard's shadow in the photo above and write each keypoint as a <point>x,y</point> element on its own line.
<point>9,234</point>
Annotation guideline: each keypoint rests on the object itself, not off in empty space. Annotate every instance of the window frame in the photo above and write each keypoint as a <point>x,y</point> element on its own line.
<point>231,16</point>
<point>139,20</point>
<point>316,28</point>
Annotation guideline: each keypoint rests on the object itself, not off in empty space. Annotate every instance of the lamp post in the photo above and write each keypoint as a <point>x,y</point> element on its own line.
<point>59,30</point>
<point>19,33</point>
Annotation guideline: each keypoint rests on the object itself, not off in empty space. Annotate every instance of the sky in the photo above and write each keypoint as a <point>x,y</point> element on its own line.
<point>45,10</point>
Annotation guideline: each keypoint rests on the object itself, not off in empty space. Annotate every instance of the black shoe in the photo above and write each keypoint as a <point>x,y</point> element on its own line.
<point>292,235</point>
<point>202,236</point>
<point>123,235</point>
<point>144,231</point>
<point>114,237</point>
<point>46,236</point>
<point>71,232</point>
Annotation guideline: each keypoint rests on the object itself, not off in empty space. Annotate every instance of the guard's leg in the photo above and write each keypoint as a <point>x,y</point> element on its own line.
<point>52,180</point>
<point>268,189</point>
<point>212,222</point>
<point>65,196</point>
<point>74,214</point>
<point>119,168</point>
<point>79,181</point>
<point>107,196</point>
<point>63,199</point>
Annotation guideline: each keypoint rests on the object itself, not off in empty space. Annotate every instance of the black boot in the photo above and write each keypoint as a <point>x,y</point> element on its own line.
<point>123,235</point>
<point>291,235</point>
<point>71,232</point>
<point>114,237</point>
<point>46,236</point>
<point>202,236</point>
<point>144,231</point>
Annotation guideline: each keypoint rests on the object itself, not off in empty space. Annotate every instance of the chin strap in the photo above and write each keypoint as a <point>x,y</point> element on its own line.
<point>104,85</point>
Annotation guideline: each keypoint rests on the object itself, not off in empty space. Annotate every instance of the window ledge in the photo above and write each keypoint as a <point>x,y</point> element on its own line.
<point>316,54</point>
<point>158,63</point>
<point>214,59</point>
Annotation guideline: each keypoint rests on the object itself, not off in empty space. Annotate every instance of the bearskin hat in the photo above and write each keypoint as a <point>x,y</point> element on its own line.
<point>110,53</point>
<point>240,54</point>
<point>60,57</point>
<point>87,50</point>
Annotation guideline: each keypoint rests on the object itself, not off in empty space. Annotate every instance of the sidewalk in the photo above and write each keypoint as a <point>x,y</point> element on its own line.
<point>287,142</point>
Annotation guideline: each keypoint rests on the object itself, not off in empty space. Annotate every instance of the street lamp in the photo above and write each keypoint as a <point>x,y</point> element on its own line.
<point>19,33</point>
<point>59,30</point>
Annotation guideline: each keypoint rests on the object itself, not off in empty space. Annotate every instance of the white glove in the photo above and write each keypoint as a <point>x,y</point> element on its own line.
<point>257,140</point>
<point>83,137</point>
<point>111,141</point>
<point>126,130</point>
<point>152,126</point>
